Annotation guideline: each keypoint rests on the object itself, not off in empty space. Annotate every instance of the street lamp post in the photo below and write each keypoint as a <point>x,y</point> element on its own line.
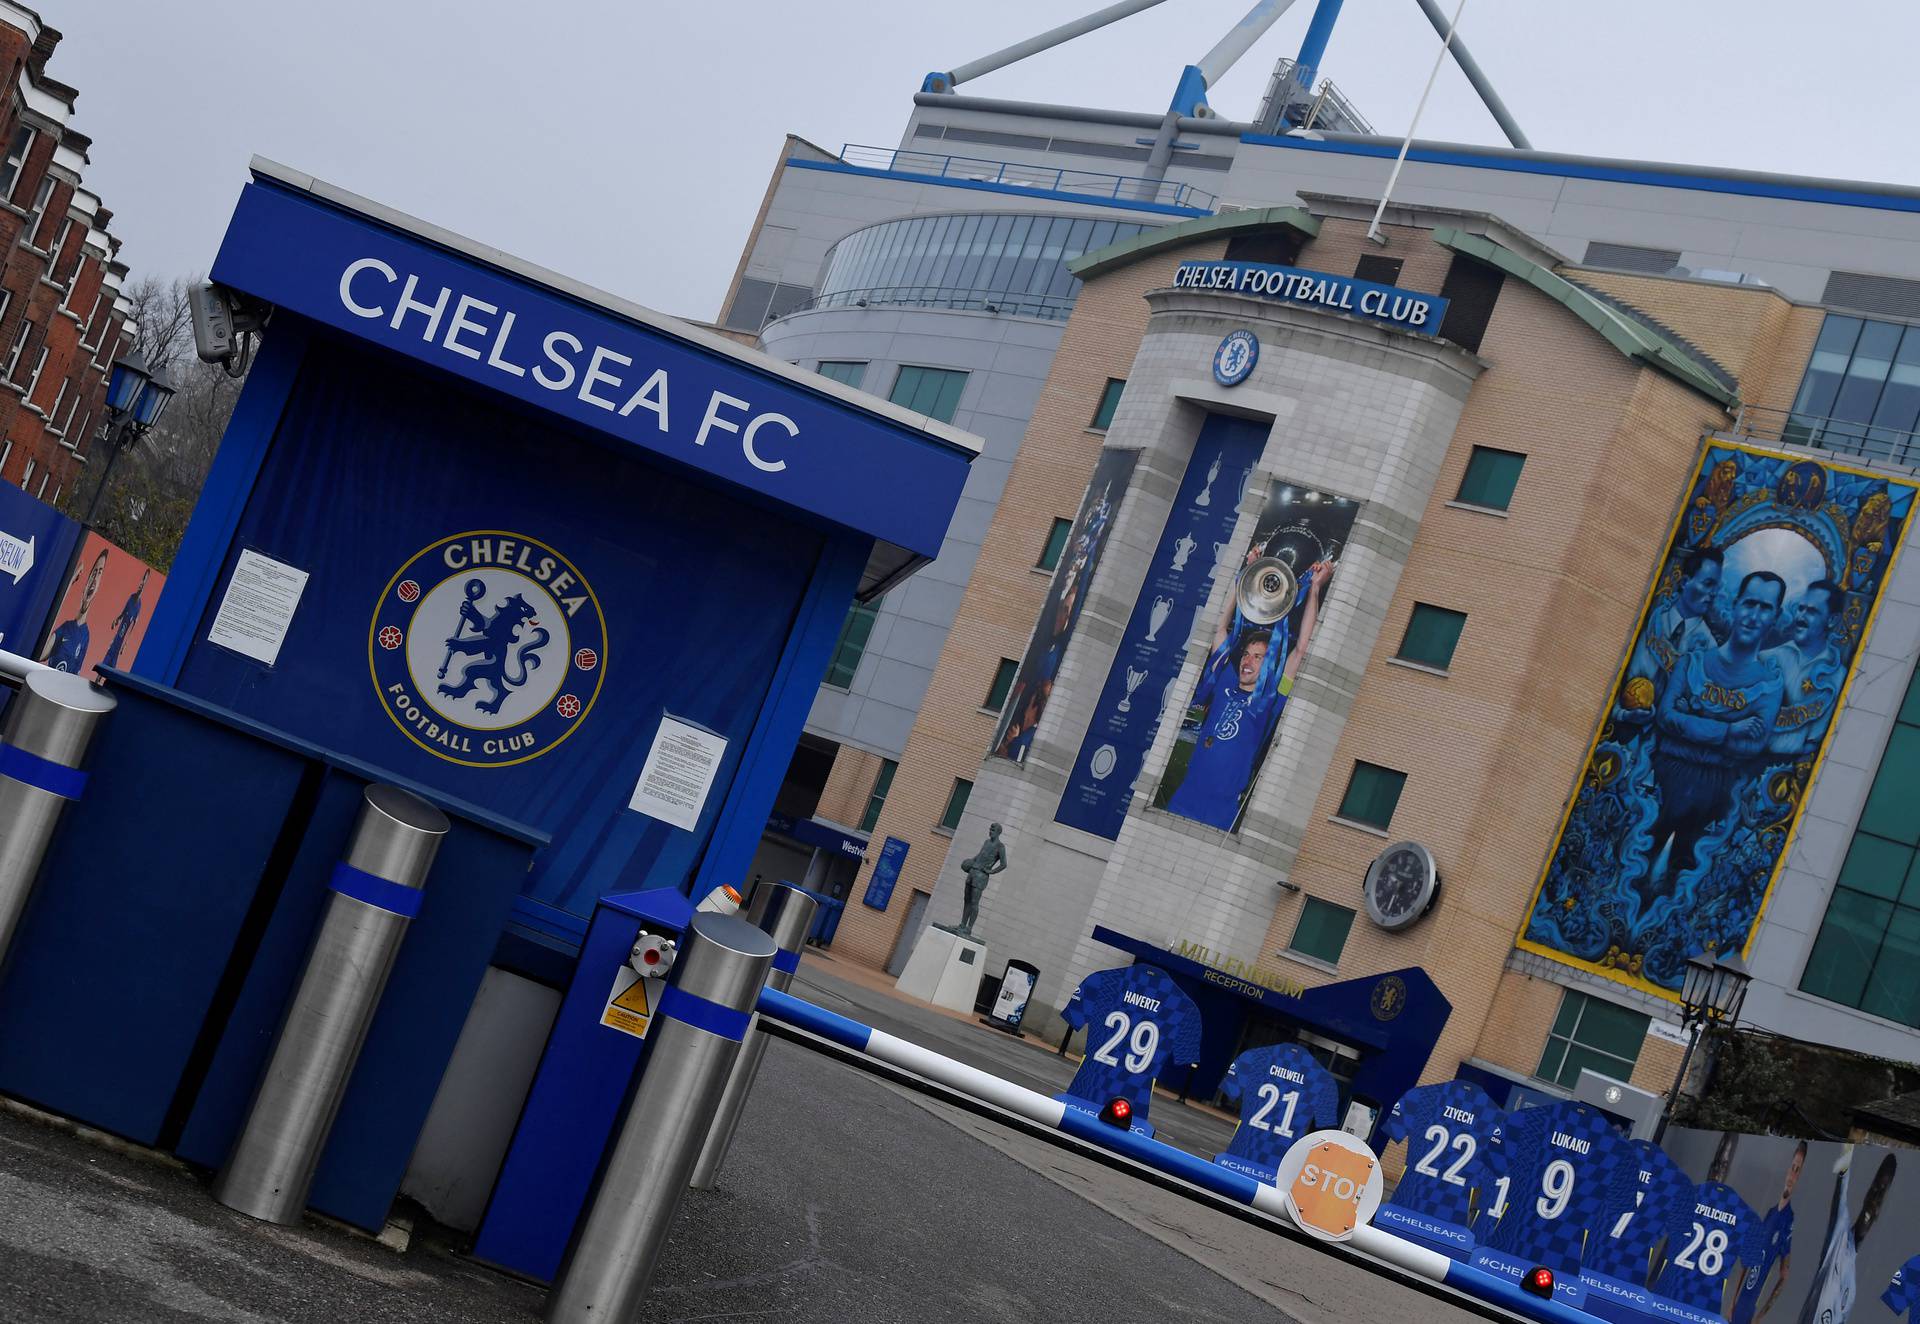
<point>1711,994</point>
<point>136,397</point>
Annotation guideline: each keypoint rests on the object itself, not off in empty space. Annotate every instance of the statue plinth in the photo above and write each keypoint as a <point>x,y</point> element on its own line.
<point>945,969</point>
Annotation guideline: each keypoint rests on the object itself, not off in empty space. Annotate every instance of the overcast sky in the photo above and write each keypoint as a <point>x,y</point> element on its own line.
<point>628,142</point>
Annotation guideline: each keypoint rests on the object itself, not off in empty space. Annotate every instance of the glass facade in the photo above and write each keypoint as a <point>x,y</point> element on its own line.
<point>1868,952</point>
<point>1590,1034</point>
<point>1861,391</point>
<point>1014,264</point>
<point>852,644</point>
<point>848,372</point>
<point>877,798</point>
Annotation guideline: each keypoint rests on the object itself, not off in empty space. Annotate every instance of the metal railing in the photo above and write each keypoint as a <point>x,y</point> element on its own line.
<point>1862,441</point>
<point>1053,308</point>
<point>1086,183</point>
<point>15,669</point>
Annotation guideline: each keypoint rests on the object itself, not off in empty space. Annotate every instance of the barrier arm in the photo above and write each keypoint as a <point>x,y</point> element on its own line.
<point>1032,1113</point>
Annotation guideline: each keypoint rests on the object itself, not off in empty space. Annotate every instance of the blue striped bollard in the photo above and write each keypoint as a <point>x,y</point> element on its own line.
<point>50,723</point>
<point>376,893</point>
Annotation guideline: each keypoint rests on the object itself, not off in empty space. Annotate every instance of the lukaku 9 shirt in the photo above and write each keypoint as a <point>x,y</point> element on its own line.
<point>1451,1131</point>
<point>1623,1247</point>
<point>1283,1094</point>
<point>1705,1235</point>
<point>1568,1166</point>
<point>1138,1024</point>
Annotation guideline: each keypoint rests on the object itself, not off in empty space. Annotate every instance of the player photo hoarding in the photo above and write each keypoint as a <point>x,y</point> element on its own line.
<point>1718,715</point>
<point>1838,1237</point>
<point>1033,682</point>
<point>104,612</point>
<point>1279,583</point>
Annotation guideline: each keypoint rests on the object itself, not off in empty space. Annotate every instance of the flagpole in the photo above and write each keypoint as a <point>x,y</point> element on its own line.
<point>1446,44</point>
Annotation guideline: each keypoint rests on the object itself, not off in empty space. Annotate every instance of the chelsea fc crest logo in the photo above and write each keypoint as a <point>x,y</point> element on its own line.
<point>487,648</point>
<point>1233,361</point>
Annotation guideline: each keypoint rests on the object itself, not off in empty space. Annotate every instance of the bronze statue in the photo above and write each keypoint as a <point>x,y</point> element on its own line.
<point>979,867</point>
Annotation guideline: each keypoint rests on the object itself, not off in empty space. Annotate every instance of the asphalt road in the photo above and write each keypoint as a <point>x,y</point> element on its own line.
<point>845,1198</point>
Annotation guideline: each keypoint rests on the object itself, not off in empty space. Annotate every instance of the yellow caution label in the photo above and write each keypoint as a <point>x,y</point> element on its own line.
<point>630,1003</point>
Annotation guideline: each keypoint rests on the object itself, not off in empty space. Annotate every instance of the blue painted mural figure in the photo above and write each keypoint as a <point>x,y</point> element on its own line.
<point>125,621</point>
<point>1718,715</point>
<point>67,645</point>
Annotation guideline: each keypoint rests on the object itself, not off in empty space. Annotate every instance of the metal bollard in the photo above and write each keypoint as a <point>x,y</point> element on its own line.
<point>376,892</point>
<point>784,913</point>
<point>49,725</point>
<point>697,1029</point>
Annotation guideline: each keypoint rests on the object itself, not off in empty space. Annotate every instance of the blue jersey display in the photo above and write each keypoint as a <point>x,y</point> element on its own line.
<point>1138,1024</point>
<point>1623,1247</point>
<point>1451,1131</point>
<point>1706,1235</point>
<point>1902,1296</point>
<point>1776,1241</point>
<point>1490,1204</point>
<point>1567,1167</point>
<point>1283,1094</point>
<point>68,647</point>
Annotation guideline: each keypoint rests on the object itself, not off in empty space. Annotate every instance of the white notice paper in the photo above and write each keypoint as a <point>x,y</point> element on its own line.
<point>678,774</point>
<point>258,607</point>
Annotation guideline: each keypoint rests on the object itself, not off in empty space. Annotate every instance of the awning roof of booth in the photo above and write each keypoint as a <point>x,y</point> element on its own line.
<point>687,395</point>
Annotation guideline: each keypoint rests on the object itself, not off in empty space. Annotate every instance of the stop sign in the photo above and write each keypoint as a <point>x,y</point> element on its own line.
<point>1332,1183</point>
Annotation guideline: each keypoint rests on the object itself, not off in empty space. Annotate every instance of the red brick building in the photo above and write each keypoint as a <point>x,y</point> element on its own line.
<point>63,318</point>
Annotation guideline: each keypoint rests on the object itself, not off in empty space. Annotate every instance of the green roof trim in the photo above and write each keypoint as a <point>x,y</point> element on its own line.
<point>1128,251</point>
<point>1632,337</point>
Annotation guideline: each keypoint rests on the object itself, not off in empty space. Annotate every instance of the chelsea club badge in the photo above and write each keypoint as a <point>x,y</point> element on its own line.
<point>1233,361</point>
<point>487,648</point>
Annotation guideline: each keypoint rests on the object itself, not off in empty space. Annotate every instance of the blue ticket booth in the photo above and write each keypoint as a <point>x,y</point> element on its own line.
<point>566,567</point>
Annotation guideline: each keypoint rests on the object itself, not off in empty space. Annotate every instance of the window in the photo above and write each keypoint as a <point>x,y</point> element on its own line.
<point>934,392</point>
<point>1279,247</point>
<point>19,347</point>
<point>1373,792</point>
<point>852,642</point>
<point>60,249</point>
<point>54,500</point>
<point>1861,390</point>
<point>33,379</point>
<point>53,414</point>
<point>1109,401</point>
<point>1490,478</point>
<point>1589,1034</point>
<point>31,229</point>
<point>1056,544</point>
<point>758,302</point>
<point>1322,931</point>
<point>79,439</point>
<point>1002,683</point>
<point>16,157</point>
<point>846,372</point>
<point>1867,954</point>
<point>956,803</point>
<point>45,474</point>
<point>882,783</point>
<point>1373,267</point>
<point>1471,290</point>
<point>1432,634</point>
<point>6,453</point>
<point>27,477</point>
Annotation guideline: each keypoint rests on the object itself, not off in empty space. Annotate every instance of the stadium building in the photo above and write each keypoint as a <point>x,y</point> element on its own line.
<point>1593,648</point>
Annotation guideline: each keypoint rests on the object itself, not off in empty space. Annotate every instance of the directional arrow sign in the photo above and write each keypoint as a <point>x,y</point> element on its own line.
<point>16,557</point>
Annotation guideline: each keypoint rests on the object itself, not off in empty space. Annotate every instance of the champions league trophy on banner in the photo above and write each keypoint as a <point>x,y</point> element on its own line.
<point>1134,677</point>
<point>1266,591</point>
<point>1158,617</point>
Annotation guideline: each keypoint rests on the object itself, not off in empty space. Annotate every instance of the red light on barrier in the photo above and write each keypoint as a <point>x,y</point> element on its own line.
<point>1118,1112</point>
<point>1539,1281</point>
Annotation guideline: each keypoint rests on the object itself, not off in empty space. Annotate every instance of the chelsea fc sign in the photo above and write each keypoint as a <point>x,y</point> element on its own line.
<point>487,648</point>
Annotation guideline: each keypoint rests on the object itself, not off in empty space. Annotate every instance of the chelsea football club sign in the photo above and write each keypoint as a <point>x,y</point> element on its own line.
<point>487,648</point>
<point>1233,361</point>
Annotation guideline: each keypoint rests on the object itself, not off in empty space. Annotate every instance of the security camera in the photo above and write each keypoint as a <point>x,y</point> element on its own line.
<point>223,321</point>
<point>652,955</point>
